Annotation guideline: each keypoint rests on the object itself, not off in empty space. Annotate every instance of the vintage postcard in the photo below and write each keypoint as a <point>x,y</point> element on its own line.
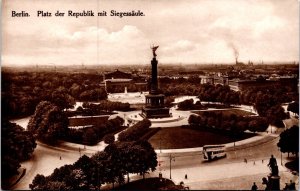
<point>150,95</point>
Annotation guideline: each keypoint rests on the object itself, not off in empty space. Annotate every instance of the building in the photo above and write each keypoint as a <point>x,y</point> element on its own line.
<point>118,81</point>
<point>242,85</point>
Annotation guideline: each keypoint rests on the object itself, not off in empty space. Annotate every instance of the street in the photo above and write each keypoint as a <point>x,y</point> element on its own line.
<point>200,174</point>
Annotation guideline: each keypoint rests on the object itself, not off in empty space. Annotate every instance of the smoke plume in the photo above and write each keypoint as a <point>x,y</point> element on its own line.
<point>235,51</point>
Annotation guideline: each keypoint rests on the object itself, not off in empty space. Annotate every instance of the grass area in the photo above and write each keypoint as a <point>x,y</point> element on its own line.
<point>228,112</point>
<point>146,184</point>
<point>179,137</point>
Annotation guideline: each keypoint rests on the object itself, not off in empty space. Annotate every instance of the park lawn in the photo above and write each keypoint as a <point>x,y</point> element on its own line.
<point>179,137</point>
<point>228,112</point>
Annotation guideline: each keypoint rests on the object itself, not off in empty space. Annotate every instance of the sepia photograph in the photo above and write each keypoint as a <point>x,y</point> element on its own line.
<point>150,95</point>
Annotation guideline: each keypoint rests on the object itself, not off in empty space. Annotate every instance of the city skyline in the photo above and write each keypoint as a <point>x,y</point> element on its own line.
<point>187,32</point>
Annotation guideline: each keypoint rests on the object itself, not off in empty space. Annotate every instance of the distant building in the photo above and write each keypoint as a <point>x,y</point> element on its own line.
<point>207,79</point>
<point>118,81</point>
<point>117,75</point>
<point>215,79</point>
<point>279,82</point>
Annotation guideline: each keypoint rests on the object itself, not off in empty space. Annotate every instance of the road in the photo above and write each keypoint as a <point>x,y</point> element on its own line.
<point>230,172</point>
<point>44,160</point>
<point>200,173</point>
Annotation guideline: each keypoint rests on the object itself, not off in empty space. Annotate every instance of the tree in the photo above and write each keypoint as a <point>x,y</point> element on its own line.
<point>48,123</point>
<point>136,157</point>
<point>9,166</point>
<point>194,119</point>
<point>89,136</point>
<point>186,104</point>
<point>275,115</point>
<point>293,107</point>
<point>38,182</point>
<point>62,99</point>
<point>258,124</point>
<point>263,102</point>
<point>86,168</point>
<point>289,140</point>
<point>149,161</point>
<point>16,145</point>
<point>108,166</point>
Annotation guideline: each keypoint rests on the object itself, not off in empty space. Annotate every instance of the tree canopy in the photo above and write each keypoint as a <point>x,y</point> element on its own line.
<point>293,107</point>
<point>16,145</point>
<point>289,140</point>
<point>48,123</point>
<point>108,166</point>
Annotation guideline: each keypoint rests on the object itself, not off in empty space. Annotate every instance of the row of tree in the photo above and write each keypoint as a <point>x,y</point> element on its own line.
<point>108,166</point>
<point>16,145</point>
<point>267,102</point>
<point>219,93</point>
<point>232,123</point>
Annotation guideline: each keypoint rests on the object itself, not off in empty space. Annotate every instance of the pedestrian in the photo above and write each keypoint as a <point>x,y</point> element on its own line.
<point>185,176</point>
<point>253,162</point>
<point>254,187</point>
<point>262,161</point>
<point>245,160</point>
<point>59,157</point>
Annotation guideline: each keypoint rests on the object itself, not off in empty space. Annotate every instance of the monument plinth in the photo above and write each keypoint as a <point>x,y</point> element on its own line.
<point>154,106</point>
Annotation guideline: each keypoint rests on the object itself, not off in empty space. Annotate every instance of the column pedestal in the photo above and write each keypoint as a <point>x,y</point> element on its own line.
<point>273,182</point>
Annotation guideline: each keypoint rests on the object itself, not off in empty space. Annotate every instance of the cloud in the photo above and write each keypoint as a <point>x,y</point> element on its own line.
<point>179,47</point>
<point>186,31</point>
<point>90,45</point>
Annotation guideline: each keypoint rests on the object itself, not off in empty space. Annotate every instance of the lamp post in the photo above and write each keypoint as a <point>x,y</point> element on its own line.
<point>280,157</point>
<point>171,158</point>
<point>160,144</point>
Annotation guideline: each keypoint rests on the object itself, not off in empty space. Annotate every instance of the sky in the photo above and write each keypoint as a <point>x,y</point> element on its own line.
<point>194,31</point>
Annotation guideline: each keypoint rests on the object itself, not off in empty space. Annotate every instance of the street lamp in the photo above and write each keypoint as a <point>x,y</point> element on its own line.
<point>171,158</point>
<point>281,158</point>
<point>280,155</point>
<point>160,143</point>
